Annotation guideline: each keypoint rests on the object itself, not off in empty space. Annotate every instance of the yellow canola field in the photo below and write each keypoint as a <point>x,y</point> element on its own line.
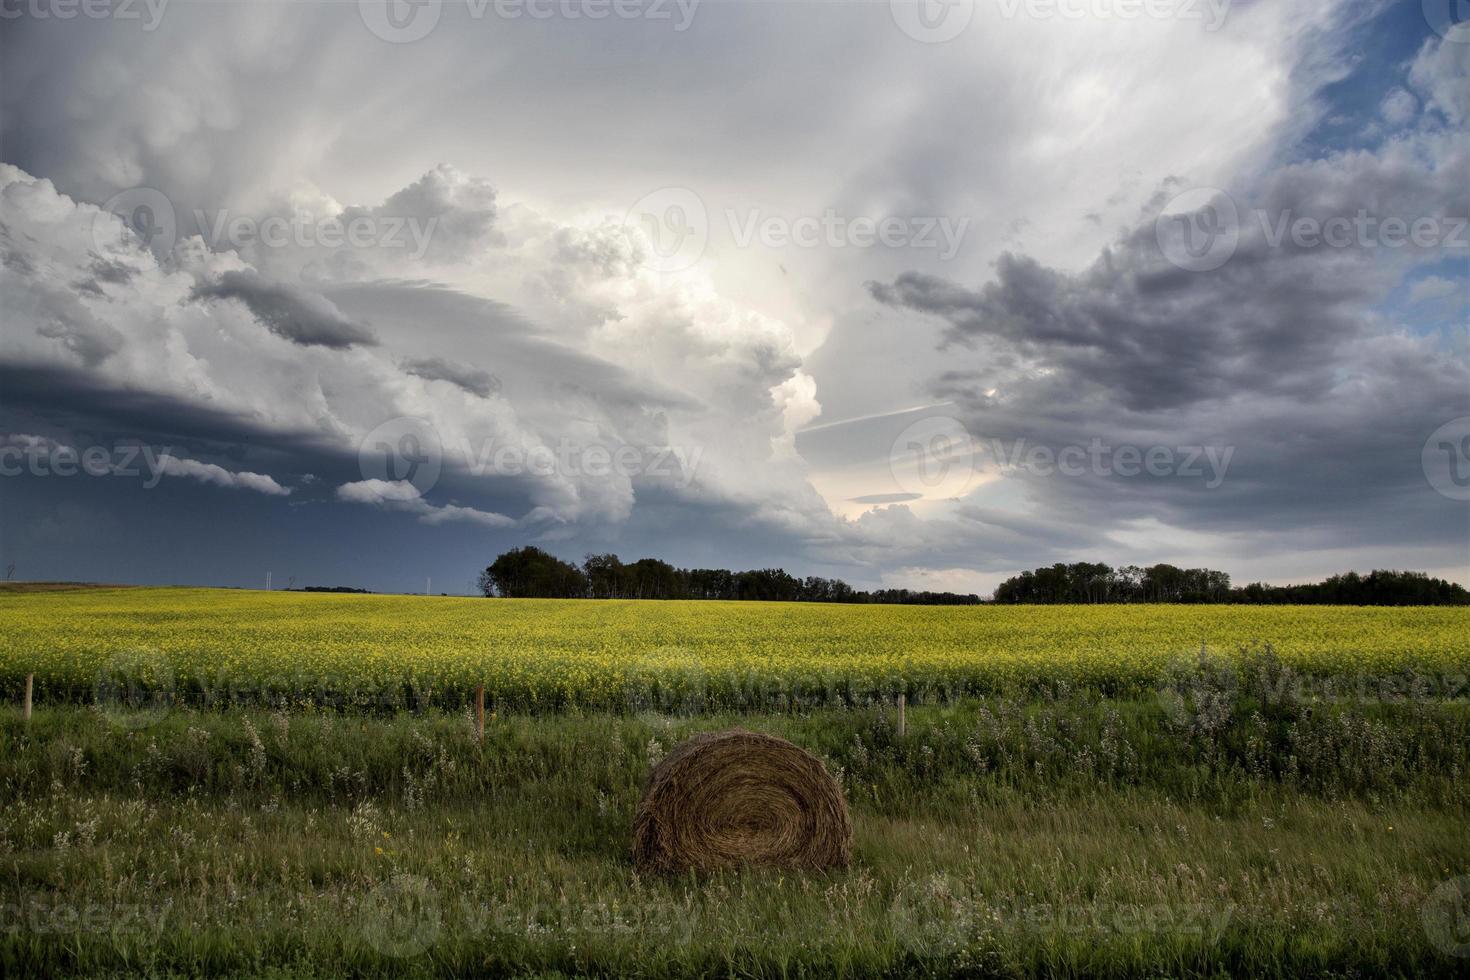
<point>214,644</point>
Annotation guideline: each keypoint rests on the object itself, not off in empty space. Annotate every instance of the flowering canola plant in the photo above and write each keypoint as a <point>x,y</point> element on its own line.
<point>217,646</point>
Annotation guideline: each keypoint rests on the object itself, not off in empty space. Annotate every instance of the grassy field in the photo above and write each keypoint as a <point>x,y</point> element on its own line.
<point>1254,813</point>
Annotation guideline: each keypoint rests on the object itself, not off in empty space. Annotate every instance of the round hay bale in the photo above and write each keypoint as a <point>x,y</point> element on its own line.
<point>738,798</point>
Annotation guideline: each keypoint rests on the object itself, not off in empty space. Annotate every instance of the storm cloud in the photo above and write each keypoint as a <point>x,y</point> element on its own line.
<point>874,410</point>
<point>288,311</point>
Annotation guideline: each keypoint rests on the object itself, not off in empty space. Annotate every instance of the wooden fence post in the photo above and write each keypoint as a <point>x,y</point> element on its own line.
<point>902,722</point>
<point>480,712</point>
<point>25,711</point>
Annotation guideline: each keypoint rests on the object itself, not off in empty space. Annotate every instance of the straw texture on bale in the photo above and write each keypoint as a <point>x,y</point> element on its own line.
<point>736,798</point>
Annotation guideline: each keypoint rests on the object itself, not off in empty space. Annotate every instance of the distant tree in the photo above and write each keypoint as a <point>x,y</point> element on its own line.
<point>767,584</point>
<point>908,598</point>
<point>649,578</point>
<point>1077,582</point>
<point>711,583</point>
<point>1163,583</point>
<point>1128,584</point>
<point>604,576</point>
<point>1377,588</point>
<point>525,573</point>
<point>1086,582</point>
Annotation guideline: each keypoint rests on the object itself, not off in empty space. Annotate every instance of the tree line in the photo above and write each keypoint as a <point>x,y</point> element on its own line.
<point>530,573</point>
<point>1096,582</point>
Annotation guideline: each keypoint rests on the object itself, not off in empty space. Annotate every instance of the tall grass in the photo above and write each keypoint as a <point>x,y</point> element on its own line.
<point>1230,826</point>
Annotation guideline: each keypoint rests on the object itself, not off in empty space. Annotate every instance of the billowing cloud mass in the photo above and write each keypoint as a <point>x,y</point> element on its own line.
<point>670,369</point>
<point>466,289</point>
<point>1283,353</point>
<point>473,380</point>
<point>286,311</point>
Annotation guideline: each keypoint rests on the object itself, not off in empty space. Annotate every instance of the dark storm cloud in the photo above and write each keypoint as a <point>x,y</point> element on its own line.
<point>80,410</point>
<point>1280,355</point>
<point>1276,320</point>
<point>1323,403</point>
<point>108,270</point>
<point>16,262</point>
<point>290,312</point>
<point>471,329</point>
<point>78,401</point>
<point>83,334</point>
<point>103,272</point>
<point>472,380</point>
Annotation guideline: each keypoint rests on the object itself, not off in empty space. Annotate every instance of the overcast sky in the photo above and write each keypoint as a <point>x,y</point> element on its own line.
<point>917,293</point>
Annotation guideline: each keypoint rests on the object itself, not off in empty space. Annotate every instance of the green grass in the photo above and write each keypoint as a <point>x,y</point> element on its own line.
<point>1068,836</point>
